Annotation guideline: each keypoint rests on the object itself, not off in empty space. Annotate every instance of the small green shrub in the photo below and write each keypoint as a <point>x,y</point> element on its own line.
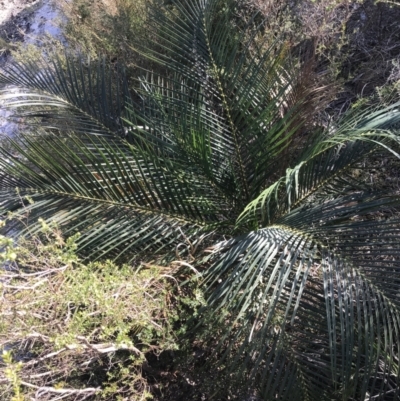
<point>106,27</point>
<point>76,329</point>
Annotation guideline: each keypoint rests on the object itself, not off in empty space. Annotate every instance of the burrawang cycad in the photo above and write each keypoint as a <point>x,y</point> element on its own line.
<point>305,292</point>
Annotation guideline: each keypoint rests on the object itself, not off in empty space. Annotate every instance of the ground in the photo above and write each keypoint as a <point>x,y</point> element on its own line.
<point>13,7</point>
<point>25,20</point>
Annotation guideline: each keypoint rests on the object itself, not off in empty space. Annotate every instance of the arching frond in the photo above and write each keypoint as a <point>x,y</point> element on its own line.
<point>312,302</point>
<point>67,93</point>
<point>325,164</point>
<point>119,197</point>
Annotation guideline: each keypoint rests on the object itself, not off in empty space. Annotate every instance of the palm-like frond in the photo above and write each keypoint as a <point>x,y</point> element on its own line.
<point>307,286</point>
<point>244,94</point>
<point>313,304</point>
<point>117,195</point>
<point>326,164</point>
<point>65,93</point>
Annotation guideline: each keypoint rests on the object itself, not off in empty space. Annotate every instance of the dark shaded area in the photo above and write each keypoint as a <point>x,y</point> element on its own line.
<point>374,43</point>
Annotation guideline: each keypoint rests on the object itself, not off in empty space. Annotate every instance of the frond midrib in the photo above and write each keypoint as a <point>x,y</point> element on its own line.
<point>140,209</point>
<point>228,114</point>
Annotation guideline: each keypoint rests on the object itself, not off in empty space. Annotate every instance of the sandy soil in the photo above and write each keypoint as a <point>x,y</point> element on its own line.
<point>10,8</point>
<point>27,20</point>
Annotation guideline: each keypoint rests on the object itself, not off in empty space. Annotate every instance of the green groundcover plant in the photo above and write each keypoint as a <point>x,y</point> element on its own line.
<point>209,156</point>
<point>71,330</point>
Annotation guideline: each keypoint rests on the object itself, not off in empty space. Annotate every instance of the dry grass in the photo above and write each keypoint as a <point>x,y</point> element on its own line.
<point>77,331</point>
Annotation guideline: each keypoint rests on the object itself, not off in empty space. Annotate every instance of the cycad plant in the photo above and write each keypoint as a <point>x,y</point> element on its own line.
<point>303,279</point>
